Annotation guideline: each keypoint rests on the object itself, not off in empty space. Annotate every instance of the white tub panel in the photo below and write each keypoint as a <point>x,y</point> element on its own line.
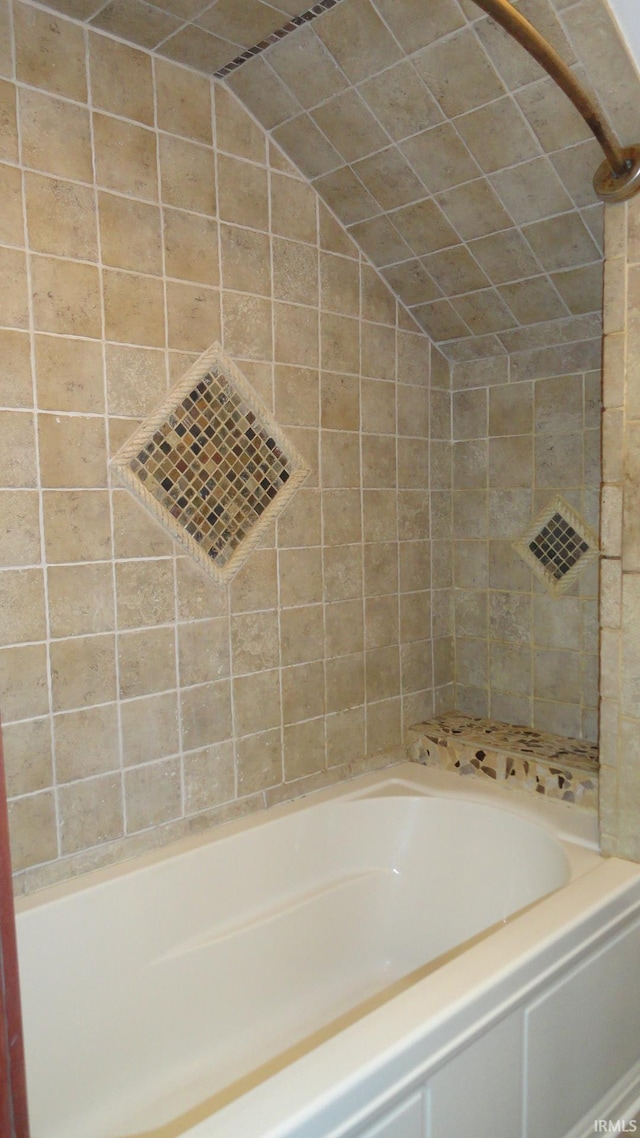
<point>479,1091</point>
<point>405,1121</point>
<point>582,1036</point>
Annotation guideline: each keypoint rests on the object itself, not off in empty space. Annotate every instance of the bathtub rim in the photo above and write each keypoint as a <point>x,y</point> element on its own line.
<point>576,829</point>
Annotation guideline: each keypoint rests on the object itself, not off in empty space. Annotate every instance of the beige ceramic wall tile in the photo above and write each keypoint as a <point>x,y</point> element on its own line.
<point>23,613</point>
<point>125,157</point>
<point>17,450</point>
<point>133,308</point>
<point>209,777</point>
<point>72,451</point>
<point>301,634</point>
<point>197,595</point>
<point>254,642</point>
<point>191,45</point>
<point>295,272</point>
<point>90,809</point>
<point>77,526</point>
<point>340,458</point>
<point>87,742</point>
<point>302,692</point>
<point>13,288</point>
<point>147,643</point>
<point>153,794</point>
<point>145,593</point>
<point>11,222</point>
<point>135,24</point>
<point>146,662</point>
<point>183,101</point>
<point>8,123</point>
<point>243,190</point>
<point>303,749</point>
<point>50,53</point>
<point>345,682</point>
<point>80,599</point>
<point>69,374</point>
<point>187,175</point>
<point>256,701</point>
<point>121,79</point>
<point>343,574</point>
<point>19,525</point>
<point>296,339</point>
<point>205,714</point>
<point>129,234</point>
<point>344,628</point>
<point>630,650</point>
<point>6,52</point>
<point>191,251</point>
<point>384,725</point>
<point>66,297</point>
<point>83,672</point>
<point>16,384</point>
<point>203,651</point>
<point>236,132</point>
<point>149,728</point>
<point>27,756</point>
<point>136,380</point>
<point>294,208</point>
<point>56,136</point>
<point>32,829</point>
<point>193,317</point>
<point>259,761</point>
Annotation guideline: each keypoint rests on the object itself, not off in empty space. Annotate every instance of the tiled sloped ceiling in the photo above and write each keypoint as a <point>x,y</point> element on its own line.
<point>456,163</point>
<point>458,166</point>
<point>204,34</point>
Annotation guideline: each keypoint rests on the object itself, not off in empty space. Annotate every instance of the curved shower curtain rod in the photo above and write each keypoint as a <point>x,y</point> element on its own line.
<point>618,178</point>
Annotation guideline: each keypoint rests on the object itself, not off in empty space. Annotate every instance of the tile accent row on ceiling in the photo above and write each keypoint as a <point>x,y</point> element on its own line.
<point>460,169</point>
<point>279,33</point>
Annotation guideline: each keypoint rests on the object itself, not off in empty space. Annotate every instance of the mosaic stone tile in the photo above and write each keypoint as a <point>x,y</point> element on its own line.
<point>212,465</point>
<point>558,546</point>
<point>517,757</point>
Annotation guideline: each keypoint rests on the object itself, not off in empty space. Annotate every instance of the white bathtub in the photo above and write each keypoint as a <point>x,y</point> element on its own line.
<point>347,964</point>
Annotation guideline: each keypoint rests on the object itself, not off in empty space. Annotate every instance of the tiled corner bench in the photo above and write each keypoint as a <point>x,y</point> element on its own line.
<point>521,758</point>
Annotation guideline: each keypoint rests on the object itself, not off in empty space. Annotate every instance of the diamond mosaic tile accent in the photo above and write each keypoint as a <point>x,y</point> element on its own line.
<point>212,465</point>
<point>558,546</point>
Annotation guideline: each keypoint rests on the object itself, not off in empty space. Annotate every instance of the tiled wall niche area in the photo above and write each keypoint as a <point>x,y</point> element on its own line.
<point>139,700</point>
<point>525,429</point>
<point>620,567</point>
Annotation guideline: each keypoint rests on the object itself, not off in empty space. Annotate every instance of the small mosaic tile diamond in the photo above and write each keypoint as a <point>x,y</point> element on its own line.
<point>212,465</point>
<point>558,546</point>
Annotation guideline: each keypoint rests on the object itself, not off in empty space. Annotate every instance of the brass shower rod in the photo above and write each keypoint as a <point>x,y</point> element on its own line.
<point>618,178</point>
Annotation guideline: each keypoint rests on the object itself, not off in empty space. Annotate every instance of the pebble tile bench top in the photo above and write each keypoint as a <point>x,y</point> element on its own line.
<point>523,759</point>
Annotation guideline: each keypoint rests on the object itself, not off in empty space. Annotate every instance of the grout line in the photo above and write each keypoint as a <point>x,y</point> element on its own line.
<point>168,383</point>
<point>106,420</point>
<point>34,415</point>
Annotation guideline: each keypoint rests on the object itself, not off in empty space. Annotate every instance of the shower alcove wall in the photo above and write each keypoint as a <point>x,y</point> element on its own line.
<point>525,401</point>
<point>139,702</point>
